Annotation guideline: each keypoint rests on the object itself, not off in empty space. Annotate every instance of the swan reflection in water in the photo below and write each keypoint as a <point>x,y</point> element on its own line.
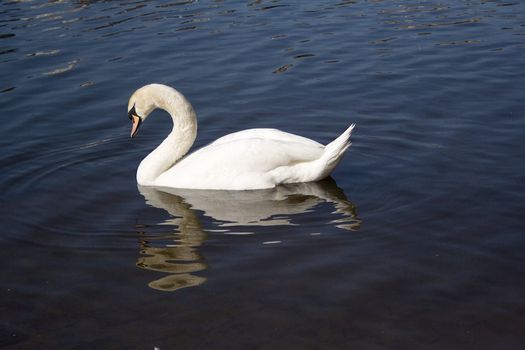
<point>229,210</point>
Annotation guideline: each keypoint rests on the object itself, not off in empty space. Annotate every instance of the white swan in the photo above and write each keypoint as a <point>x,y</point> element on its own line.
<point>244,160</point>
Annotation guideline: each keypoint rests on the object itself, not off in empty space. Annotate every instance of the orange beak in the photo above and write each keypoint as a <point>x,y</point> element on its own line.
<point>136,123</point>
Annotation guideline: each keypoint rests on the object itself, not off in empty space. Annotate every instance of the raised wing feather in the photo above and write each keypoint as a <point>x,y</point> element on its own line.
<point>268,134</point>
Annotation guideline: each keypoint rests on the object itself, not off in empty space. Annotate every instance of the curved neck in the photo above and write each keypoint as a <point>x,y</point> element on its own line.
<point>178,142</point>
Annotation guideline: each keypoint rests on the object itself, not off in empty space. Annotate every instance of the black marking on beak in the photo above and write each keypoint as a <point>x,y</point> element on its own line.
<point>132,112</point>
<point>136,120</point>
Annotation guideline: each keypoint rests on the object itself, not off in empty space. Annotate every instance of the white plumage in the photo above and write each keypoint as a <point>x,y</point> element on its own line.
<point>249,159</point>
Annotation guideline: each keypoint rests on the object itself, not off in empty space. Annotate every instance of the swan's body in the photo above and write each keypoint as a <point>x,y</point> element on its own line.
<point>249,159</point>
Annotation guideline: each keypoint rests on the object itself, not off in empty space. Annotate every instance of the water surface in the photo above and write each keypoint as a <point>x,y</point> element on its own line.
<point>416,242</point>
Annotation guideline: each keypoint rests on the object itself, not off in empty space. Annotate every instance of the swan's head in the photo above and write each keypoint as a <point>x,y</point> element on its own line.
<point>142,103</point>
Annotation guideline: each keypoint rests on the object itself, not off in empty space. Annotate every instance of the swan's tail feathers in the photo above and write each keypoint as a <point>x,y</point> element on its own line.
<point>334,151</point>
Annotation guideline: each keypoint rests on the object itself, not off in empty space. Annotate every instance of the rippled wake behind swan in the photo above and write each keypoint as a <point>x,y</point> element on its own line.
<point>244,160</point>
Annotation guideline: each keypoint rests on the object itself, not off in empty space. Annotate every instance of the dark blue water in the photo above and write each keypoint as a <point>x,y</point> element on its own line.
<point>416,242</point>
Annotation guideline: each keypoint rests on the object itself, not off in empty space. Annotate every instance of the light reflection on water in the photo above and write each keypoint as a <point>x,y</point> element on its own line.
<point>234,211</point>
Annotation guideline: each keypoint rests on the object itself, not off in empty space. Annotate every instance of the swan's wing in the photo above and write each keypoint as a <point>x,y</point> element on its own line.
<point>239,162</point>
<point>253,154</point>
